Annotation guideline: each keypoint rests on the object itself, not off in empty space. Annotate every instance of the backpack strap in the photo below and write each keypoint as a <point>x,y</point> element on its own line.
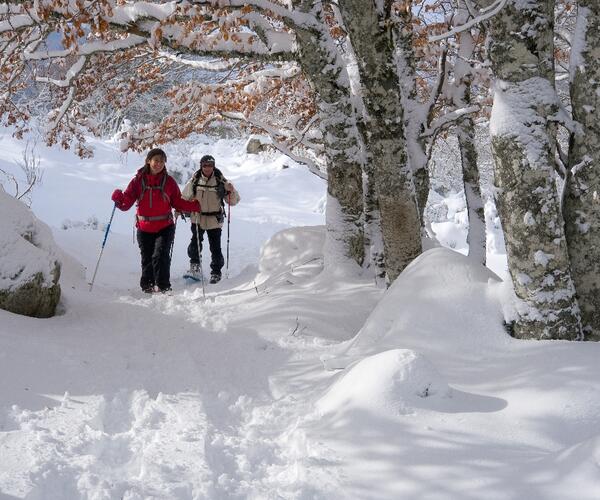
<point>161,186</point>
<point>220,187</point>
<point>196,181</point>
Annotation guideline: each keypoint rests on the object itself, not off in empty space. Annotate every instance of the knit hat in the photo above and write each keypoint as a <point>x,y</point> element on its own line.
<point>207,159</point>
<point>155,152</point>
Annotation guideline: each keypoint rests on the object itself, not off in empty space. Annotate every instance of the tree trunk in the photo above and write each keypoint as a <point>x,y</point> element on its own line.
<point>373,235</point>
<point>414,111</point>
<point>523,144</point>
<point>582,190</point>
<point>344,217</point>
<point>476,237</point>
<point>465,132</point>
<point>373,44</point>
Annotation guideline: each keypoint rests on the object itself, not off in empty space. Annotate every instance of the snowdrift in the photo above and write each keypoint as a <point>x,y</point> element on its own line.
<point>441,295</point>
<point>391,382</point>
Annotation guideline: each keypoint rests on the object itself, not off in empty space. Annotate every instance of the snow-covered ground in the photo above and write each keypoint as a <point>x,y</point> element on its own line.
<point>286,381</point>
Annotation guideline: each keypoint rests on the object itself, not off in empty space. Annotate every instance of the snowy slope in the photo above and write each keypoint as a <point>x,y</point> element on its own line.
<point>130,396</point>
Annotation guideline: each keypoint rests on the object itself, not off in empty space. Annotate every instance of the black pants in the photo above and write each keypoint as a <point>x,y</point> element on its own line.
<point>214,242</point>
<point>156,259</point>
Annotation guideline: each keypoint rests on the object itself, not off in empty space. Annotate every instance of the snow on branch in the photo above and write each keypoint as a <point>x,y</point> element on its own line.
<point>71,73</point>
<point>447,119</point>
<point>484,15</point>
<point>215,65</point>
<point>279,145</point>
<point>57,115</point>
<point>120,53</point>
<point>87,49</point>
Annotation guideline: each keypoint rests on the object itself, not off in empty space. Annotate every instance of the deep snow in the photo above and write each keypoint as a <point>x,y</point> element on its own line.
<point>128,396</point>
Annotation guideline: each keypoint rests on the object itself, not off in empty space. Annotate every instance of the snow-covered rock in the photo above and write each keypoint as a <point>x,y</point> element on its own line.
<point>393,382</point>
<point>256,144</point>
<point>291,248</point>
<point>29,263</point>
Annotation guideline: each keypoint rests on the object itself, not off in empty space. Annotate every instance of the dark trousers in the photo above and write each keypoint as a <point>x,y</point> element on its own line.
<point>214,242</point>
<point>156,257</point>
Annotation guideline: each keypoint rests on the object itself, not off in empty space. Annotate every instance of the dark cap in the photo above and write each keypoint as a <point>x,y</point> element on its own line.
<point>155,152</point>
<point>207,160</point>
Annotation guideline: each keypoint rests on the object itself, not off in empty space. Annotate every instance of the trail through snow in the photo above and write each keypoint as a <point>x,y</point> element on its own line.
<point>178,396</point>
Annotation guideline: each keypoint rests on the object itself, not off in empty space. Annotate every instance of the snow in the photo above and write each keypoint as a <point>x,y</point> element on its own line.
<point>236,395</point>
<point>27,247</point>
<point>578,43</point>
<point>542,258</point>
<point>514,115</point>
<point>389,382</point>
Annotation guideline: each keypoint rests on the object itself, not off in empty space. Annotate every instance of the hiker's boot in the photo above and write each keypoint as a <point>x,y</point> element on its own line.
<point>215,278</point>
<point>194,272</point>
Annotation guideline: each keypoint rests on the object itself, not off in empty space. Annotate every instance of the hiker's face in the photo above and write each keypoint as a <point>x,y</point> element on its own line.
<point>157,163</point>
<point>207,169</point>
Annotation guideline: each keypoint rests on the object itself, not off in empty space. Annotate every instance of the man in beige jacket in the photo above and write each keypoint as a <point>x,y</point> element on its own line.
<point>213,190</point>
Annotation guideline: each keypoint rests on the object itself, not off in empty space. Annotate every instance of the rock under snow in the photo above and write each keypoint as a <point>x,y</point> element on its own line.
<point>29,264</point>
<point>290,248</point>
<point>392,382</point>
<point>256,144</point>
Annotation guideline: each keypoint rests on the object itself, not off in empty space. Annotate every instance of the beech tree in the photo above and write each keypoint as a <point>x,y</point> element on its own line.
<point>465,72</point>
<point>582,202</point>
<point>372,40</point>
<point>523,126</point>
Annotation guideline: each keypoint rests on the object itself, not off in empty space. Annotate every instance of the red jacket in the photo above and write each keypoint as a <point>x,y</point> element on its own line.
<point>156,196</point>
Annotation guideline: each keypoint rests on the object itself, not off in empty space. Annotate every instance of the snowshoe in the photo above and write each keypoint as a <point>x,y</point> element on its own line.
<point>194,273</point>
<point>192,277</point>
<point>148,289</point>
<point>215,278</point>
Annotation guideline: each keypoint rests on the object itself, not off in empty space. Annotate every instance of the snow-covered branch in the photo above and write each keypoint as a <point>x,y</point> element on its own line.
<point>484,15</point>
<point>87,49</point>
<point>73,71</point>
<point>448,119</point>
<point>58,114</point>
<point>210,65</point>
<point>279,145</point>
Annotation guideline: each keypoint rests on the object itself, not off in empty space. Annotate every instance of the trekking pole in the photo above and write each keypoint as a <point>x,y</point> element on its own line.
<point>103,244</point>
<point>228,221</point>
<point>173,241</point>
<point>200,258</point>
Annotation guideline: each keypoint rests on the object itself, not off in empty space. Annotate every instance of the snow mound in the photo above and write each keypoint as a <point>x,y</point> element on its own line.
<point>392,382</point>
<point>289,248</point>
<point>463,294</point>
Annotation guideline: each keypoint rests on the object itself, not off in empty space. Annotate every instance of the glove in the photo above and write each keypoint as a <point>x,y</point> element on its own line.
<point>117,197</point>
<point>228,187</point>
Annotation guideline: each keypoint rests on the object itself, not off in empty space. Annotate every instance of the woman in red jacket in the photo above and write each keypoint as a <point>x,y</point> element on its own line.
<point>156,193</point>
